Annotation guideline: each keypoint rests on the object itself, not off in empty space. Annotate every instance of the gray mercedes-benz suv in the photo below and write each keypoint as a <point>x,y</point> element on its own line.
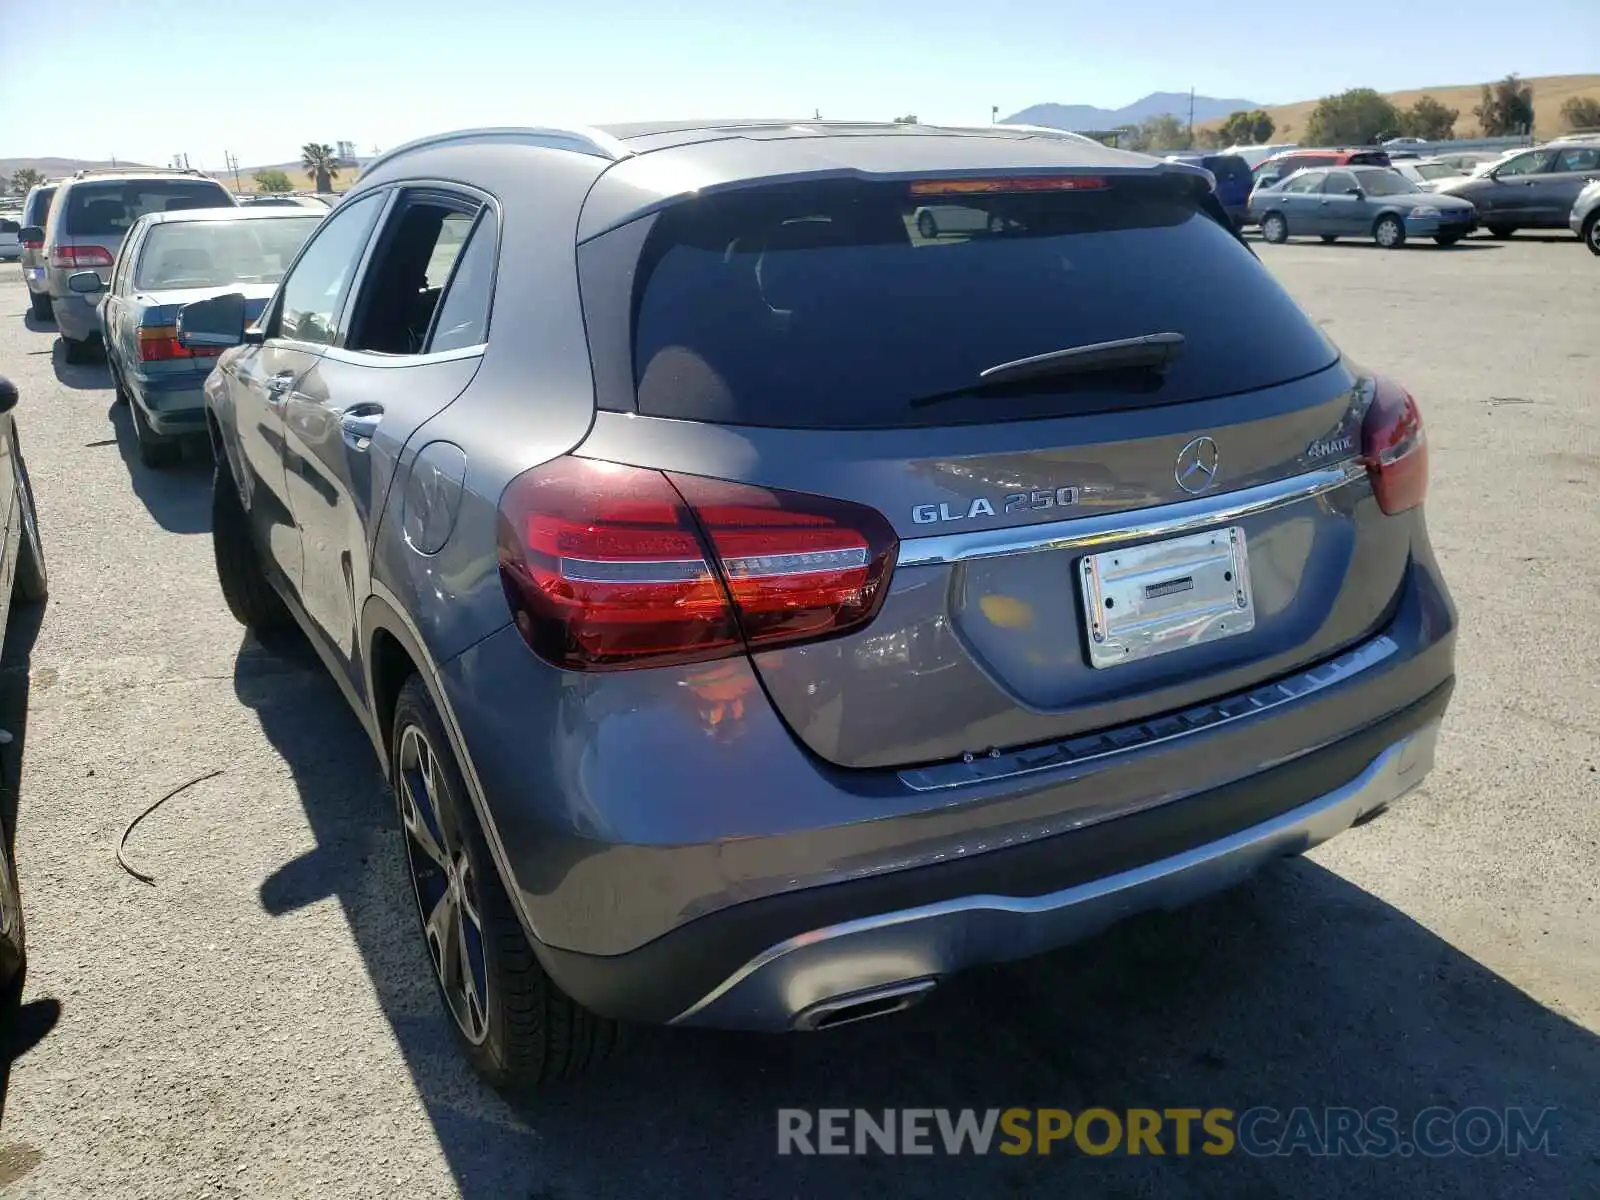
<point>764,610</point>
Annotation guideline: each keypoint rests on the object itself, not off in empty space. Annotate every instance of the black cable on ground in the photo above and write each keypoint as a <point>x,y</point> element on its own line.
<point>123,844</point>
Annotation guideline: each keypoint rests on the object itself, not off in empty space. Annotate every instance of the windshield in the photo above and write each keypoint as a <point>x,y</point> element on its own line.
<point>841,305</point>
<point>1385,183</point>
<point>216,253</point>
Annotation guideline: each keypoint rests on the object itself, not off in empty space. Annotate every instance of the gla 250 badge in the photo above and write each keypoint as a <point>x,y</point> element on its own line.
<point>1038,498</point>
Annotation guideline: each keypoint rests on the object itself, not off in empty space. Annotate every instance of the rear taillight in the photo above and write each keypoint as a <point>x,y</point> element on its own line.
<point>159,343</point>
<point>80,256</point>
<point>27,245</point>
<point>608,566</point>
<point>1395,448</point>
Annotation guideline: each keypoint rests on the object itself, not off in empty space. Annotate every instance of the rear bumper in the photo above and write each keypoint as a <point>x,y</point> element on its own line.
<point>76,318</point>
<point>903,952</point>
<point>172,404</point>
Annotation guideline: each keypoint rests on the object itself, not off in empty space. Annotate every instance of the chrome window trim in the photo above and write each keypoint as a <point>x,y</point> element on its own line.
<point>1167,520</point>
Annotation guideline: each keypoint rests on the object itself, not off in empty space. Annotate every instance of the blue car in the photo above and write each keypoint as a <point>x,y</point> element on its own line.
<point>1233,178</point>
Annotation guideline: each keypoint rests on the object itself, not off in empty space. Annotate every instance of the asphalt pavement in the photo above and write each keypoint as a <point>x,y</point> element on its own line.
<point>261,1022</point>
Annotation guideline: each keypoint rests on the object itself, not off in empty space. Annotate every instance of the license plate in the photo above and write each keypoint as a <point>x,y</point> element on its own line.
<point>1148,600</point>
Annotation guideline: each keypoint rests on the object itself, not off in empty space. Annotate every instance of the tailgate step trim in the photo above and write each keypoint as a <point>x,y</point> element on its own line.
<point>1155,729</point>
<point>1084,533</point>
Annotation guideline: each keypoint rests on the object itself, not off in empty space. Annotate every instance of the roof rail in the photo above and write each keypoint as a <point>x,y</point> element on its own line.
<point>579,139</point>
<point>85,172</point>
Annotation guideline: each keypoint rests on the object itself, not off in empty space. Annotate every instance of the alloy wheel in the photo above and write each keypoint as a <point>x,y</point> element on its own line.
<point>445,885</point>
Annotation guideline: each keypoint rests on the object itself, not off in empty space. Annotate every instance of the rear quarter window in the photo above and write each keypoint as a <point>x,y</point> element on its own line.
<point>109,209</point>
<point>39,207</point>
<point>849,305</point>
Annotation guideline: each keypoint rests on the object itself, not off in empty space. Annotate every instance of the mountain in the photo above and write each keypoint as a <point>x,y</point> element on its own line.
<point>1156,104</point>
<point>55,168</point>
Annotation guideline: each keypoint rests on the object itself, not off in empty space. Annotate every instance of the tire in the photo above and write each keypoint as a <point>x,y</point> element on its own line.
<point>155,451</point>
<point>927,226</point>
<point>1447,239</point>
<point>1389,232</point>
<point>75,351</point>
<point>244,583</point>
<point>43,307</point>
<point>1274,229</point>
<point>1329,239</point>
<point>31,583</point>
<point>1591,232</point>
<point>511,1021</point>
<point>13,932</point>
<point>116,382</point>
<point>1502,231</point>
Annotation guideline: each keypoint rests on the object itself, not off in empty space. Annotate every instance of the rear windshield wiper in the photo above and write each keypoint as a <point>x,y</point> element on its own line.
<point>1150,353</point>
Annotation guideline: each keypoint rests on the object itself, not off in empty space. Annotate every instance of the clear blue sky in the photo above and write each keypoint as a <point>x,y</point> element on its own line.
<point>147,78</point>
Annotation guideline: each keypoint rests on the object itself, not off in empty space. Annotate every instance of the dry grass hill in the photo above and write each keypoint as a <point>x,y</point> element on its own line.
<point>1550,92</point>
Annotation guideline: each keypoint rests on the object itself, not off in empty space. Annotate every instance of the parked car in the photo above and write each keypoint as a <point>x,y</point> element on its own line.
<point>168,259</point>
<point>1281,166</point>
<point>23,581</point>
<point>91,214</point>
<point>35,208</point>
<point>1232,174</point>
<point>1426,173</point>
<point>711,561</point>
<point>1254,156</point>
<point>934,220</point>
<point>1467,161</point>
<point>1584,220</point>
<point>1405,143</point>
<point>1534,189</point>
<point>10,243</point>
<point>1375,202</point>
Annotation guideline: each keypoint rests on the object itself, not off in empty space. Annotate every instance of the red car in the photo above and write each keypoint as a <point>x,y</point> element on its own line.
<point>1281,166</point>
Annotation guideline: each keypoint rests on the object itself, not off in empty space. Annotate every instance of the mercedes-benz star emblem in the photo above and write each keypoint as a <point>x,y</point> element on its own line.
<point>1197,465</point>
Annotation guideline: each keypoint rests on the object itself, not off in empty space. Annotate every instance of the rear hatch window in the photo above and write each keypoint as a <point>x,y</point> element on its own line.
<point>39,206</point>
<point>1229,170</point>
<point>189,254</point>
<point>109,209</point>
<point>845,305</point>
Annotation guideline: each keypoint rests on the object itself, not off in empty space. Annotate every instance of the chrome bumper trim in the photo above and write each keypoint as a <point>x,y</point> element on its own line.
<point>1082,533</point>
<point>1165,728</point>
<point>934,940</point>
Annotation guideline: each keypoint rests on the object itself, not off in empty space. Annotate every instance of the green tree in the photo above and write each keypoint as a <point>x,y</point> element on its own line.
<point>319,161</point>
<point>1353,118</point>
<point>1248,128</point>
<point>24,179</point>
<point>1581,112</point>
<point>1506,107</point>
<point>1165,132</point>
<point>908,119</point>
<point>271,180</point>
<point>1429,119</point>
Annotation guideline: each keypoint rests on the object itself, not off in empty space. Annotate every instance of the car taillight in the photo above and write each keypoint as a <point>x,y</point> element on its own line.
<point>81,256</point>
<point>608,566</point>
<point>159,343</point>
<point>27,245</point>
<point>1395,448</point>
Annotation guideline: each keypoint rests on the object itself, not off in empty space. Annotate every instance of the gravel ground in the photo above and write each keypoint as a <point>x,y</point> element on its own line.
<point>260,1022</point>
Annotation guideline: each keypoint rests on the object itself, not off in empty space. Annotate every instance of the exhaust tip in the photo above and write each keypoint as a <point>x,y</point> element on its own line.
<point>863,1005</point>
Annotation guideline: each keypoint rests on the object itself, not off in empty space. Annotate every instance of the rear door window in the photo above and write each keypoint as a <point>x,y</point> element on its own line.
<point>1311,181</point>
<point>1579,158</point>
<point>826,306</point>
<point>110,209</point>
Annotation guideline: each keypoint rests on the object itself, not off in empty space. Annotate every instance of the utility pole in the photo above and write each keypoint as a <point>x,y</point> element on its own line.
<point>232,160</point>
<point>994,114</point>
<point>1191,115</point>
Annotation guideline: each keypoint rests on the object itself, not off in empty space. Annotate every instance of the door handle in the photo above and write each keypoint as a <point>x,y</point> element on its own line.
<point>277,385</point>
<point>360,423</point>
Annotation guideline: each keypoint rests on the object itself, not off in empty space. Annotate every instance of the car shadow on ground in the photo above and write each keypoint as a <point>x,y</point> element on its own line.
<point>80,377</point>
<point>34,325</point>
<point>22,1026</point>
<point>1296,989</point>
<point>179,496</point>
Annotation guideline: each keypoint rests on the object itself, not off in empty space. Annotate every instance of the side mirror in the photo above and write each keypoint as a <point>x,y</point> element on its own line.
<point>8,395</point>
<point>1356,192</point>
<point>216,323</point>
<point>85,283</point>
<point>31,235</point>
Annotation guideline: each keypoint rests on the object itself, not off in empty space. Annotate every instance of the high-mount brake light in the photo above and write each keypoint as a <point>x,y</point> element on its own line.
<point>1020,183</point>
<point>608,566</point>
<point>1394,448</point>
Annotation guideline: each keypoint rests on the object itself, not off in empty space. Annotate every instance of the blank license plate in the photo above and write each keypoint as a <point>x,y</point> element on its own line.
<point>1185,591</point>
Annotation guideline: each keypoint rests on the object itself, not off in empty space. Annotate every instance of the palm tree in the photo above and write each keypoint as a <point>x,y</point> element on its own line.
<point>318,159</point>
